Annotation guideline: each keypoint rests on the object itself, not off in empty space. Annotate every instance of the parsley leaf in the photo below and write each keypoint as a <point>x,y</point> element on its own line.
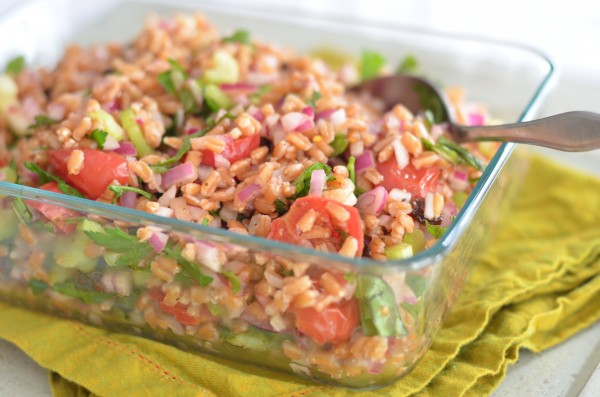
<point>116,240</point>
<point>234,281</point>
<point>339,144</point>
<point>241,217</point>
<point>436,231</point>
<point>22,210</point>
<point>166,82</point>
<point>164,165</point>
<point>375,297</point>
<point>371,63</point>
<point>205,222</point>
<point>453,152</point>
<point>119,190</point>
<point>46,177</point>
<point>312,101</point>
<point>302,182</point>
<point>100,137</point>
<point>42,120</point>
<point>190,269</point>
<point>71,289</point>
<point>351,171</point>
<point>15,65</point>
<point>37,286</point>
<point>408,65</point>
<point>239,36</point>
<point>280,207</point>
<point>350,277</point>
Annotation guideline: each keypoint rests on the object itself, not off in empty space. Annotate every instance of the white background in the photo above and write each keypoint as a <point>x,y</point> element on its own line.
<point>569,32</point>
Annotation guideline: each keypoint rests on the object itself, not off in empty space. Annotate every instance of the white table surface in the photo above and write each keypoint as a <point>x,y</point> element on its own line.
<point>570,34</point>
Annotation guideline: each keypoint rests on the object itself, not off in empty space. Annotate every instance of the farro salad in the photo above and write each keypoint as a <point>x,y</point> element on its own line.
<point>229,132</point>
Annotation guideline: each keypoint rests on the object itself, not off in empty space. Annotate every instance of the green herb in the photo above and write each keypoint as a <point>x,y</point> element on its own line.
<point>241,217</point>
<point>165,165</point>
<point>417,283</point>
<point>312,101</point>
<point>302,182</point>
<point>37,286</point>
<point>339,144</point>
<point>429,119</point>
<point>343,235</point>
<point>436,231</point>
<point>15,65</point>
<point>74,220</point>
<point>350,278</point>
<point>351,171</point>
<point>46,177</point>
<point>119,190</point>
<point>216,213</point>
<point>408,65</point>
<point>216,310</point>
<point>464,156</point>
<point>205,222</point>
<point>166,82</point>
<point>71,289</point>
<point>42,121</point>
<point>239,36</point>
<point>280,207</point>
<point>22,210</point>
<point>87,92</point>
<point>255,96</point>
<point>100,137</point>
<point>378,311</point>
<point>184,95</point>
<point>234,281</point>
<point>42,226</point>
<point>189,268</point>
<point>116,240</point>
<point>188,100</point>
<point>283,272</point>
<point>371,63</point>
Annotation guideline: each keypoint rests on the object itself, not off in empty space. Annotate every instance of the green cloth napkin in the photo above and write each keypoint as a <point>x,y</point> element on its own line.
<point>536,284</point>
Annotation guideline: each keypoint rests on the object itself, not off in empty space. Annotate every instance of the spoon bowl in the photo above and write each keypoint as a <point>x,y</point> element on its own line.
<point>570,131</point>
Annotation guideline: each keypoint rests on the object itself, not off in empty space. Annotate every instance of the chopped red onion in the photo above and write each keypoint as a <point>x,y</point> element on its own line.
<point>204,171</point>
<point>179,175</point>
<point>317,183</point>
<point>111,143</point>
<point>249,192</point>
<point>402,158</point>
<point>449,213</point>
<point>260,79</point>
<point>296,121</point>
<point>364,161</point>
<point>459,181</point>
<point>158,241</point>
<point>255,321</point>
<point>246,87</point>
<point>139,121</point>
<point>119,283</point>
<point>309,111</point>
<point>166,212</point>
<point>272,120</point>
<point>338,117</point>
<point>373,201</point>
<point>258,115</point>
<point>30,107</point>
<point>56,111</point>
<point>221,161</point>
<point>437,130</point>
<point>192,130</point>
<point>475,119</point>
<point>112,106</point>
<point>400,195</point>
<point>357,148</point>
<point>126,148</point>
<point>325,114</point>
<point>128,199</point>
<point>208,255</point>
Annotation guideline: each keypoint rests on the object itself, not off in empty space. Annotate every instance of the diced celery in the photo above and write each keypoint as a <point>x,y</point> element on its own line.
<point>10,223</point>
<point>225,69</point>
<point>140,278</point>
<point>251,340</point>
<point>416,239</point>
<point>399,251</point>
<point>69,252</point>
<point>215,98</point>
<point>110,125</point>
<point>459,198</point>
<point>135,133</point>
<point>87,225</point>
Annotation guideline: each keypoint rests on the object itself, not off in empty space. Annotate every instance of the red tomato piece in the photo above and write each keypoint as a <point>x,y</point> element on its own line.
<point>179,311</point>
<point>416,182</point>
<point>333,324</point>
<point>234,149</point>
<point>55,214</point>
<point>285,227</point>
<point>99,170</point>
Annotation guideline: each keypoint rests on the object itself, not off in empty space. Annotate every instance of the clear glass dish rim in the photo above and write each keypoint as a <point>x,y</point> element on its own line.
<point>421,259</point>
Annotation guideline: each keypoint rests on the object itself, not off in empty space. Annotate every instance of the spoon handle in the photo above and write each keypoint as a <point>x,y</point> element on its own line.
<point>569,132</point>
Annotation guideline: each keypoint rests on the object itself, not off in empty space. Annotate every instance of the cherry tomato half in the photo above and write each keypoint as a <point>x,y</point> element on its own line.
<point>55,214</point>
<point>416,182</point>
<point>335,323</point>
<point>234,150</point>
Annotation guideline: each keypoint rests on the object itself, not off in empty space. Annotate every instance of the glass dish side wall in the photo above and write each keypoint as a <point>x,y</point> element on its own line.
<point>232,300</point>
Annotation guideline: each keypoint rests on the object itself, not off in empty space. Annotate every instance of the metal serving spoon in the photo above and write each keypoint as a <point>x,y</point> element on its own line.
<point>569,132</point>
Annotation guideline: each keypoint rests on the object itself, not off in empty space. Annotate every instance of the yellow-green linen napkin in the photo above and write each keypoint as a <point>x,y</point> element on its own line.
<point>537,283</point>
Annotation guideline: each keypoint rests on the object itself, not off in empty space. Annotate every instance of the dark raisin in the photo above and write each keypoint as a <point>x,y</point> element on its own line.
<point>418,212</point>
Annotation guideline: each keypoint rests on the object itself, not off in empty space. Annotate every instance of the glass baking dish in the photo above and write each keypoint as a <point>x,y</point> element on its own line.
<point>63,273</point>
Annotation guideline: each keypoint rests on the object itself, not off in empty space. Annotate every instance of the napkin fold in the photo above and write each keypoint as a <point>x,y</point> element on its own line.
<point>536,284</point>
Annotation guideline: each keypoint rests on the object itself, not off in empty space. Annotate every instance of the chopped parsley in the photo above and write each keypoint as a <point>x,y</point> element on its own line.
<point>408,65</point>
<point>116,240</point>
<point>46,177</point>
<point>453,152</point>
<point>312,101</point>
<point>239,36</point>
<point>339,144</point>
<point>205,222</point>
<point>436,231</point>
<point>241,217</point>
<point>22,210</point>
<point>37,286</point>
<point>15,65</point>
<point>350,278</point>
<point>71,289</point>
<point>234,281</point>
<point>177,74</point>
<point>280,207</point>
<point>100,137</point>
<point>188,268</point>
<point>375,297</point>
<point>371,63</point>
<point>255,96</point>
<point>119,190</point>
<point>302,182</point>
<point>42,120</point>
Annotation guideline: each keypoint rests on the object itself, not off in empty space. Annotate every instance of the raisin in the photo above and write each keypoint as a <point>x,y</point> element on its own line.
<point>418,212</point>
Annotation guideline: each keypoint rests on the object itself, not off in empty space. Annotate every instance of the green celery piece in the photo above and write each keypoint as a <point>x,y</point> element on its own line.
<point>225,69</point>
<point>110,125</point>
<point>379,314</point>
<point>371,63</point>
<point>416,239</point>
<point>135,133</point>
<point>339,144</point>
<point>215,98</point>
<point>399,251</point>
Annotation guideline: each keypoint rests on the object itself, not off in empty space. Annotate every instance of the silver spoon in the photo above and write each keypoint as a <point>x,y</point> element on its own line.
<point>569,132</point>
